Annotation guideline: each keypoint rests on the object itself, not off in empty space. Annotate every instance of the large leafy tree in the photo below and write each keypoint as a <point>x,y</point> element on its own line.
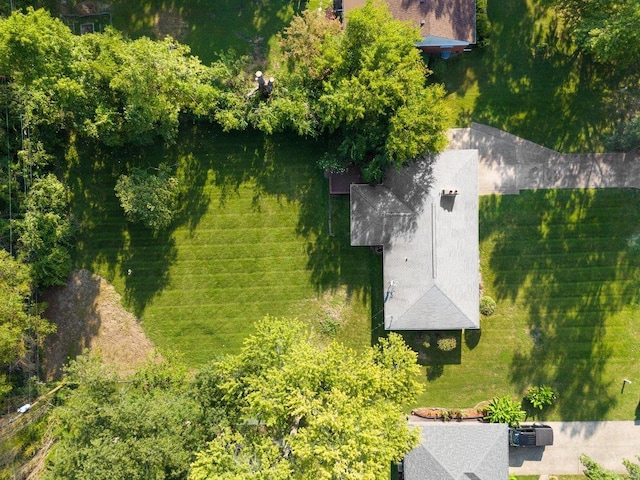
<point>104,85</point>
<point>45,232</point>
<point>36,52</point>
<point>14,292</point>
<point>144,427</point>
<point>35,49</point>
<point>608,29</point>
<point>303,63</point>
<point>377,95</point>
<point>283,408</point>
<point>134,90</point>
<point>367,84</point>
<point>294,410</point>
<point>21,329</point>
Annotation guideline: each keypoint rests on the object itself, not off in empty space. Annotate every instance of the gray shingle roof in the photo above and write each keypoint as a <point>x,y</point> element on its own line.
<point>459,451</point>
<point>430,240</point>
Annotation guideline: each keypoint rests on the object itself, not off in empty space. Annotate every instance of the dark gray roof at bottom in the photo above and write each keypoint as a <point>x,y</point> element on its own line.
<point>459,451</point>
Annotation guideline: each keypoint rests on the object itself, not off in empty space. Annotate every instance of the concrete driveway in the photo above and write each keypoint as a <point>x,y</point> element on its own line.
<point>606,442</point>
<point>508,164</point>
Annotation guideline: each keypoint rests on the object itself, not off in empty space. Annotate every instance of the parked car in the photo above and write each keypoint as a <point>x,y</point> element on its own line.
<point>536,435</point>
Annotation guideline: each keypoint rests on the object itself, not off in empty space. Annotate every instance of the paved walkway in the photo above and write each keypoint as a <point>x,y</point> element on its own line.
<point>509,164</point>
<point>606,442</point>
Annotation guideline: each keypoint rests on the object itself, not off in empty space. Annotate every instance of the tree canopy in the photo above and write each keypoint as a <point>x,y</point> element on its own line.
<point>45,231</point>
<point>134,90</point>
<point>378,97</point>
<point>608,29</point>
<point>144,427</point>
<point>297,411</point>
<point>149,198</point>
<point>282,408</point>
<point>104,86</point>
<point>20,327</point>
<point>367,84</point>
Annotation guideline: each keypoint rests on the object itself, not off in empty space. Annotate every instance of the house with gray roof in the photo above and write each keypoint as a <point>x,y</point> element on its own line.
<point>425,217</point>
<point>459,451</point>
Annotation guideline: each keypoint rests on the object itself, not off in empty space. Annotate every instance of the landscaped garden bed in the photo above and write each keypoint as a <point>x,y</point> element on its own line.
<point>449,414</point>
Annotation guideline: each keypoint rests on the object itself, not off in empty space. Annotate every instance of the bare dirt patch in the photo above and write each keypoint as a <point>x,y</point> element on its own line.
<point>88,313</point>
<point>169,22</point>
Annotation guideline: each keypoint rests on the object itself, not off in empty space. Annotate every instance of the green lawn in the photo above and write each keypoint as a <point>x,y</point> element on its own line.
<point>254,240</point>
<point>563,267</point>
<point>531,83</point>
<point>209,26</point>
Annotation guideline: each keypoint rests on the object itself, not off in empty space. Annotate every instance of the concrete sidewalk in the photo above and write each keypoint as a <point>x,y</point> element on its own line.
<point>608,443</point>
<point>508,164</point>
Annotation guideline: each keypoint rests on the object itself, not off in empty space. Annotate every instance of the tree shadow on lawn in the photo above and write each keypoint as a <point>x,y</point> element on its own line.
<point>569,256</point>
<point>425,344</point>
<point>285,167</point>
<point>209,26</point>
<point>104,236</point>
<point>532,83</point>
<point>281,167</point>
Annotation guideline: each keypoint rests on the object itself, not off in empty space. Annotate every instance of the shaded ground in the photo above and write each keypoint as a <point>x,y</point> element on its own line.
<point>209,26</point>
<point>531,82</point>
<point>89,314</point>
<point>562,267</point>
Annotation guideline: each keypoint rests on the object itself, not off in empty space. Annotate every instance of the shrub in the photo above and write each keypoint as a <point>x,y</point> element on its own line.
<point>487,305</point>
<point>505,410</point>
<point>329,327</point>
<point>446,344</point>
<point>541,396</point>
<point>427,341</point>
<point>626,137</point>
<point>483,25</point>
<point>332,164</point>
<point>46,231</point>
<point>151,199</point>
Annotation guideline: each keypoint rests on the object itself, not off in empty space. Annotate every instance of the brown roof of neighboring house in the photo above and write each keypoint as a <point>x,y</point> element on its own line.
<point>452,19</point>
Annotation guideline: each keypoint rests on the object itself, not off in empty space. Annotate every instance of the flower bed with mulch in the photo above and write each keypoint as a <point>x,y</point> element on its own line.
<point>476,413</point>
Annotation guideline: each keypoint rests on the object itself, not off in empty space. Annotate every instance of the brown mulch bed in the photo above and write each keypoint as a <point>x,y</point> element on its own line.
<point>449,413</point>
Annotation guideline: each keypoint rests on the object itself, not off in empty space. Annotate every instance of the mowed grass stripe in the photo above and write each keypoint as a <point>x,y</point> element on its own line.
<point>252,240</point>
